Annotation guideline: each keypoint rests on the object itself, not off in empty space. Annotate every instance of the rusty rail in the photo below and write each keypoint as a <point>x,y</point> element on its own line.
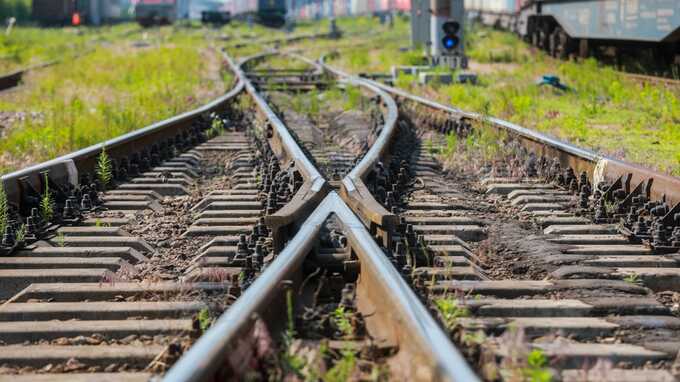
<point>11,80</point>
<point>286,149</point>
<point>426,351</point>
<point>398,314</point>
<point>354,191</point>
<point>598,167</point>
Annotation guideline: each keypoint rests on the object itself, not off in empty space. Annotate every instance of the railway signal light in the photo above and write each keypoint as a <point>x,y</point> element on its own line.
<point>450,41</point>
<point>75,19</point>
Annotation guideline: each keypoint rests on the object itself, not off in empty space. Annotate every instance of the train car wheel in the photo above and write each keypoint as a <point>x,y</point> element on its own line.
<point>583,48</point>
<point>565,44</point>
<point>545,39</point>
<point>554,44</point>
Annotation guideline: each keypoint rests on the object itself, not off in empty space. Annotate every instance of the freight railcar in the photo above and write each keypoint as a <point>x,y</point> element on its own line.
<point>617,28</point>
<point>314,9</point>
<point>69,12</point>
<point>497,13</point>
<point>267,12</point>
<point>156,12</point>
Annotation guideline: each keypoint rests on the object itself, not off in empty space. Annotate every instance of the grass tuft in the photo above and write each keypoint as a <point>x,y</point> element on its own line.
<point>451,311</point>
<point>4,209</point>
<point>104,170</point>
<point>204,319</point>
<point>47,202</point>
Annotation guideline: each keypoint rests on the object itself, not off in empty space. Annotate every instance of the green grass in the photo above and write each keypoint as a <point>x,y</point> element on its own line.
<point>204,319</point>
<point>104,169</point>
<point>47,203</point>
<point>282,62</point>
<point>343,368</point>
<point>343,321</point>
<point>536,369</point>
<point>451,311</point>
<point>486,45</point>
<point>114,89</point>
<point>634,279</point>
<point>606,111</point>
<point>61,240</point>
<point>4,209</point>
<point>26,46</point>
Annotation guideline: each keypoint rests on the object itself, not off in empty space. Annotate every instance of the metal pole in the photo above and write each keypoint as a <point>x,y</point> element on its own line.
<point>420,24</point>
<point>95,15</point>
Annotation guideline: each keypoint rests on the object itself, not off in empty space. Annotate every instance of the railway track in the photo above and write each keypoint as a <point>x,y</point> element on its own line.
<point>551,248</point>
<point>326,257</point>
<point>110,273</point>
<point>646,79</point>
<point>12,79</point>
<point>144,265</point>
<point>329,288</point>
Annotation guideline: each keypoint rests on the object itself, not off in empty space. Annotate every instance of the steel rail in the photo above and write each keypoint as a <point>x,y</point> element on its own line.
<point>66,168</point>
<point>289,39</point>
<point>284,145</point>
<point>670,82</point>
<point>354,190</point>
<point>599,167</point>
<point>12,79</point>
<point>425,351</point>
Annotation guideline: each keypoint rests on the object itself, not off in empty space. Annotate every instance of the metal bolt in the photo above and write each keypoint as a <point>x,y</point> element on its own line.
<point>8,239</point>
<point>659,235</point>
<point>31,228</point>
<point>242,246</point>
<point>675,237</point>
<point>640,228</point>
<point>94,197</point>
<point>347,296</point>
<point>410,236</point>
<point>259,254</point>
<point>600,212</point>
<point>36,216</point>
<point>69,211</point>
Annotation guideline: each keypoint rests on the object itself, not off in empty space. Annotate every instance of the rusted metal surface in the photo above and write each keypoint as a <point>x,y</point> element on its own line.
<point>264,298</point>
<point>354,190</point>
<point>67,167</point>
<point>425,352</point>
<point>597,166</point>
<point>11,80</point>
<point>314,187</point>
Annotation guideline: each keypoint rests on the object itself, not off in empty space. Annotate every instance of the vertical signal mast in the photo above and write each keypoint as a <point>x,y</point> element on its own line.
<point>420,24</point>
<point>446,33</point>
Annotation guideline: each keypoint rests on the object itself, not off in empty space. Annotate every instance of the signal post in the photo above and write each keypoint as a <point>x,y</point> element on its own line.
<point>446,33</point>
